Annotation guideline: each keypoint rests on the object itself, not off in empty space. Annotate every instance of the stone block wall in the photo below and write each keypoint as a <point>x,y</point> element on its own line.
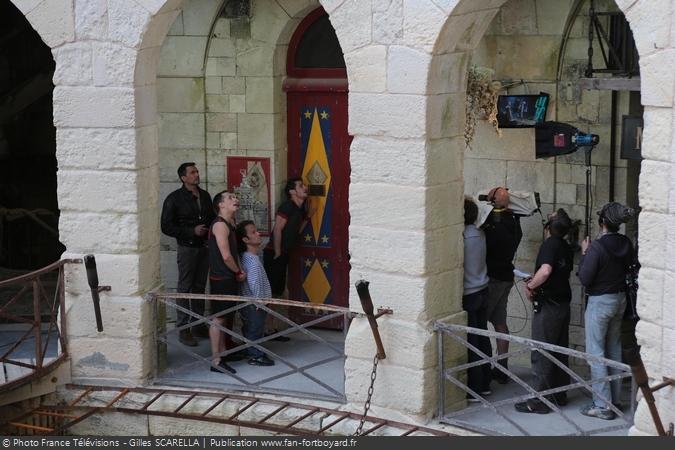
<point>522,46</point>
<point>219,94</point>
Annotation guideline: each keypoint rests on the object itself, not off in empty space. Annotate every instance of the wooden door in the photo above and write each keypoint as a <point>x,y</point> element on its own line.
<point>318,151</point>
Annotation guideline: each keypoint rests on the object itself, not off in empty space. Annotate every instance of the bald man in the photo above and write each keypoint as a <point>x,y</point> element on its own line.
<point>502,235</point>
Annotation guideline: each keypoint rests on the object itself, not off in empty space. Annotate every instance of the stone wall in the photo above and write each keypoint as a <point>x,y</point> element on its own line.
<point>522,46</point>
<point>406,115</point>
<point>219,94</point>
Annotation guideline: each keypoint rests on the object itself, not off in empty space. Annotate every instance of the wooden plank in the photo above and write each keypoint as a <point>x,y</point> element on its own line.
<point>610,84</point>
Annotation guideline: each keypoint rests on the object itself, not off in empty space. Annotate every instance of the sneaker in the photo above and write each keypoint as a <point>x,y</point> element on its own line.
<point>261,361</point>
<point>222,366</point>
<point>596,411</point>
<point>532,406</point>
<point>499,376</point>
<point>186,338</point>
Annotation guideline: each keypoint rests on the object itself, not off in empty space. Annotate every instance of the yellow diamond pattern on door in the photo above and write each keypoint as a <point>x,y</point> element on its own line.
<point>316,284</point>
<point>316,170</point>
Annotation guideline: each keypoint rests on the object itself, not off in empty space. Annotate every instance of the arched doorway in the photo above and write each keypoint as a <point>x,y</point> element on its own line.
<point>29,214</point>
<point>318,151</point>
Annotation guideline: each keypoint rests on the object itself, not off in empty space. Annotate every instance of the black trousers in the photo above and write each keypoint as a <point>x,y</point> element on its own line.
<point>276,271</point>
<point>476,307</point>
<point>551,325</point>
<point>193,269</point>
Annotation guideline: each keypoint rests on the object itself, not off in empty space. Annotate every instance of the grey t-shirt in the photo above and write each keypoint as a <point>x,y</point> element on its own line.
<point>475,269</point>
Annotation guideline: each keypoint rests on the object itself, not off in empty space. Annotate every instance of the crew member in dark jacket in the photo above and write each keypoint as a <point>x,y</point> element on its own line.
<point>550,288</point>
<point>186,215</point>
<point>502,235</point>
<point>602,271</point>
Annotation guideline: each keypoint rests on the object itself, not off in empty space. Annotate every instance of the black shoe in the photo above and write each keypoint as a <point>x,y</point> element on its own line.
<point>499,376</point>
<point>223,365</point>
<point>236,356</point>
<point>532,407</point>
<point>186,338</point>
<point>261,361</point>
<point>200,331</point>
<point>559,399</point>
<point>278,338</point>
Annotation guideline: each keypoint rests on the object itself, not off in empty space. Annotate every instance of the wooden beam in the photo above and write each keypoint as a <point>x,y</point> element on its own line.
<point>610,84</point>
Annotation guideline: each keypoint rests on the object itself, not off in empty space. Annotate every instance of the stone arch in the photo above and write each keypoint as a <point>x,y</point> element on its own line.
<point>465,25</point>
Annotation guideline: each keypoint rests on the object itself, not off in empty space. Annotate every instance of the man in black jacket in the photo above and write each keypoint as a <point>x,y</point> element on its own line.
<point>186,216</point>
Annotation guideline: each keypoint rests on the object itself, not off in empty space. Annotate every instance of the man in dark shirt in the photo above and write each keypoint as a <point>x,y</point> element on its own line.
<point>550,288</point>
<point>186,215</point>
<point>290,219</point>
<point>502,236</point>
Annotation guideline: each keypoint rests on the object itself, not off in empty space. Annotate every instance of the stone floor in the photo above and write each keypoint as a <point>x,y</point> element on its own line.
<point>184,369</point>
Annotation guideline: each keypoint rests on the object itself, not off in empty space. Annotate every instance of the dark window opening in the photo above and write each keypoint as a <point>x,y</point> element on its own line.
<point>319,47</point>
<point>29,213</point>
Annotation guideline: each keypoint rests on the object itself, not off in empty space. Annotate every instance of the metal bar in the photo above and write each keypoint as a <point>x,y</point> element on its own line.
<point>17,343</point>
<point>441,366</point>
<point>6,387</point>
<point>410,431</point>
<point>31,427</point>
<point>63,332</point>
<point>666,382</point>
<point>182,405</point>
<point>152,400</point>
<point>87,390</point>
<point>238,413</point>
<point>123,393</point>
<point>53,414</point>
<point>303,417</point>
<point>273,413</point>
<point>19,363</point>
<point>38,324</point>
<point>212,407</point>
<point>29,276</point>
<point>367,305</point>
<point>340,419</point>
<point>370,430</point>
<point>13,299</point>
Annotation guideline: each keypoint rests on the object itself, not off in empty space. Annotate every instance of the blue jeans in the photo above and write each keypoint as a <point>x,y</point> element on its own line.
<point>253,327</point>
<point>603,338</point>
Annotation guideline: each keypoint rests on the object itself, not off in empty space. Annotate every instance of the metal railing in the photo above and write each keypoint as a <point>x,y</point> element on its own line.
<point>504,408</point>
<point>22,361</point>
<point>267,378</point>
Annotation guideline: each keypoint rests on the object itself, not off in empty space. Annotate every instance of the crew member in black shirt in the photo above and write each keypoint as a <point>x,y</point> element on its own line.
<point>550,288</point>
<point>502,236</point>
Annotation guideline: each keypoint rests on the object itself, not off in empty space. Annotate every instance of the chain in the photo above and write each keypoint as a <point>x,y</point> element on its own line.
<point>366,406</point>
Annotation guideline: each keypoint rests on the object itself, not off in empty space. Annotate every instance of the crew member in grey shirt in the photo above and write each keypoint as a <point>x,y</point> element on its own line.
<point>474,299</point>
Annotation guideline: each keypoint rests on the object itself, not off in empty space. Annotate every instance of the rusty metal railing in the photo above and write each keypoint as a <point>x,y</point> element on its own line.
<point>26,354</point>
<point>313,376</point>
<point>501,409</point>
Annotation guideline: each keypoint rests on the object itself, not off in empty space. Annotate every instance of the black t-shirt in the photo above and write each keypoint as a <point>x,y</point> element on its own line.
<point>295,215</point>
<point>557,253</point>
<point>502,237</point>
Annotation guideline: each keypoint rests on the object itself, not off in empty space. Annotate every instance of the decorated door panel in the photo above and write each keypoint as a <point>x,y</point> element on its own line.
<point>318,151</point>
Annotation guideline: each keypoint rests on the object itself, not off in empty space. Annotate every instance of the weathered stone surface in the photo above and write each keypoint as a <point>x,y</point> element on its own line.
<point>219,47</point>
<point>112,424</point>
<point>399,116</point>
<point>233,85</point>
<point>237,103</point>
<point>446,115</point>
<point>95,232</point>
<point>219,67</point>
<point>656,79</point>
<point>519,17</point>
<point>263,95</point>
<point>111,358</point>
<point>257,131</point>
<point>127,20</point>
<point>388,22</point>
<point>298,8</point>
<point>407,70</point>
<point>268,21</point>
<point>73,64</point>
<point>655,185</point>
<point>655,33</point>
<point>111,191</point>
<point>26,6</point>
<point>255,61</point>
<point>182,56</point>
<point>482,174</point>
<point>447,73</point>
<point>422,20</point>
<point>98,148</point>
<point>198,15</point>
<point>113,64</point>
<point>93,107</point>
<point>352,23</point>
<point>658,134</point>
<point>650,295</point>
<point>53,20</point>
<point>181,95</point>
<point>91,19</point>
<point>372,249</point>
<point>181,130</point>
<point>535,176</point>
<point>367,69</point>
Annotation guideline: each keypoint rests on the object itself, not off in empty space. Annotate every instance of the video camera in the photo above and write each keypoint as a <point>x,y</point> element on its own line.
<point>557,138</point>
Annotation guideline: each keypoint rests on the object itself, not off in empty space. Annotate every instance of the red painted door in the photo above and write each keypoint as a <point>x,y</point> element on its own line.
<point>318,151</point>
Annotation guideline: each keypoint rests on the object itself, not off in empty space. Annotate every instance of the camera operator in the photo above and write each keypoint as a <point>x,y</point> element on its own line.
<point>549,287</point>
<point>502,235</point>
<point>602,270</point>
